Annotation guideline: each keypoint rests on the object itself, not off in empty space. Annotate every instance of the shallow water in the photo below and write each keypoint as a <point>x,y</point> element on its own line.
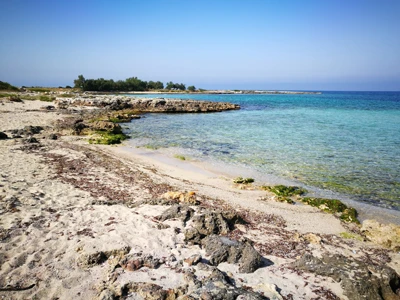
<point>342,142</point>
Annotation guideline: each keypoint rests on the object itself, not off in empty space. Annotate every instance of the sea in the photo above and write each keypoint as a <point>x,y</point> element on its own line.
<point>343,145</point>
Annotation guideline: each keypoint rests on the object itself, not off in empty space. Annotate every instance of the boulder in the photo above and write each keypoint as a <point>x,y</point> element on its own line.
<point>209,223</point>
<point>359,280</point>
<point>222,249</point>
<point>106,126</point>
<point>29,130</point>
<point>177,211</point>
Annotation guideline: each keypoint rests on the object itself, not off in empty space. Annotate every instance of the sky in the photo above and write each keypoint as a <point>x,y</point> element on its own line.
<point>211,44</point>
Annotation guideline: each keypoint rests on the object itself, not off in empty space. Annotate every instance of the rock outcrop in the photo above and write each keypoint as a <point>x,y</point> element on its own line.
<point>221,249</point>
<point>359,280</point>
<point>154,105</point>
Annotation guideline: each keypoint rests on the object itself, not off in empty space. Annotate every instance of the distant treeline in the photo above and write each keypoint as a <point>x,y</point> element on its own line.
<point>129,84</point>
<point>8,87</point>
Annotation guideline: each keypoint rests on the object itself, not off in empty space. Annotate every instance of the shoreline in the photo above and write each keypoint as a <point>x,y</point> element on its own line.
<point>89,221</point>
<point>365,210</point>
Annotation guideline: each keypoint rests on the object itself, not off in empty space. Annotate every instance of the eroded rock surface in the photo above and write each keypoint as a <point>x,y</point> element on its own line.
<point>358,279</point>
<point>222,249</point>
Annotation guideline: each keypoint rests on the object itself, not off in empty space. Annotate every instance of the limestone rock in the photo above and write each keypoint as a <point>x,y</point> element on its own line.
<point>182,197</point>
<point>382,234</point>
<point>177,211</point>
<point>106,126</point>
<point>209,223</point>
<point>193,260</point>
<point>222,249</point>
<point>136,261</point>
<point>359,280</point>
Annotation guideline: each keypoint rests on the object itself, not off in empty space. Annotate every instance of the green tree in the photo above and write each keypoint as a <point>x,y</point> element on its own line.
<point>191,88</point>
<point>80,82</point>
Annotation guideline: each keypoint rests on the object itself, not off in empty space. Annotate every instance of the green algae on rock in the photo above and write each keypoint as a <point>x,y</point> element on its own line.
<point>285,191</point>
<point>241,180</point>
<point>108,138</point>
<point>334,206</point>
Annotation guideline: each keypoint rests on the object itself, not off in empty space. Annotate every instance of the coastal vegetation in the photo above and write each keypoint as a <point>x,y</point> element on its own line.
<point>5,86</point>
<point>127,85</point>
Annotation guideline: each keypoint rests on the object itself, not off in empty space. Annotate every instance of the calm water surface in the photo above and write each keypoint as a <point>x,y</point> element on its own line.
<point>345,142</point>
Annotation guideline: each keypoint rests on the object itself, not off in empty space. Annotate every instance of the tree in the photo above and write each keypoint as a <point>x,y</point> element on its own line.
<point>170,85</point>
<point>80,82</point>
<point>191,88</point>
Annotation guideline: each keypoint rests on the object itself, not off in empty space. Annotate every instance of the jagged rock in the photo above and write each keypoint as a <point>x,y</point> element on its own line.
<point>359,280</point>
<point>31,140</point>
<point>52,136</point>
<point>78,126</point>
<point>218,286</point>
<point>29,130</point>
<point>177,211</point>
<point>150,291</point>
<point>96,258</point>
<point>159,105</point>
<point>382,234</point>
<point>48,107</point>
<point>193,260</point>
<point>107,295</point>
<point>136,261</point>
<point>222,249</point>
<point>211,223</point>
<point>3,136</point>
<point>106,126</point>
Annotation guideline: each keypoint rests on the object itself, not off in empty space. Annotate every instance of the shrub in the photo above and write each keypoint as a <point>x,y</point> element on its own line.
<point>7,87</point>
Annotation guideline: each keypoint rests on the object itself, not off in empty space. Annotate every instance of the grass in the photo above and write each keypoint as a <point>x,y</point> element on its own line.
<point>41,90</point>
<point>46,98</point>
<point>66,95</point>
<point>5,95</point>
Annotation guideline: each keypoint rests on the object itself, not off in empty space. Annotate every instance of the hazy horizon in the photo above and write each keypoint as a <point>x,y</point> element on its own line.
<point>332,45</point>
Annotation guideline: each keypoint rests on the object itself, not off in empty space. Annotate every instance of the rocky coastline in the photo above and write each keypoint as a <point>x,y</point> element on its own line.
<point>146,105</point>
<point>87,221</point>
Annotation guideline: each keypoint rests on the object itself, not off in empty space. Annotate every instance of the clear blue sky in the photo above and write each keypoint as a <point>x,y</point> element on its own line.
<point>246,44</point>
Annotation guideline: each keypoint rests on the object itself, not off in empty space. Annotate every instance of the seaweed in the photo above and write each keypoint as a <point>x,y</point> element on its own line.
<point>334,206</point>
<point>285,191</point>
<point>242,180</point>
<point>108,138</point>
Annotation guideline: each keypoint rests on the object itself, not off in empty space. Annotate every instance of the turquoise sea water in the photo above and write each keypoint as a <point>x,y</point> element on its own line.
<point>344,142</point>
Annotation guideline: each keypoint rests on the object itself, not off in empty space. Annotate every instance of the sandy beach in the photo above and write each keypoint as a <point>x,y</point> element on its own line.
<point>85,221</point>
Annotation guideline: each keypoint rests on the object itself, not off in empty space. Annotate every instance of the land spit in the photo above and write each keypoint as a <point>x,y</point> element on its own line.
<point>86,221</point>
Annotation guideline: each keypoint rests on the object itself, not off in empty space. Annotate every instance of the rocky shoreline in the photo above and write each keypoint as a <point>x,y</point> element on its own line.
<point>146,105</point>
<point>88,221</point>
